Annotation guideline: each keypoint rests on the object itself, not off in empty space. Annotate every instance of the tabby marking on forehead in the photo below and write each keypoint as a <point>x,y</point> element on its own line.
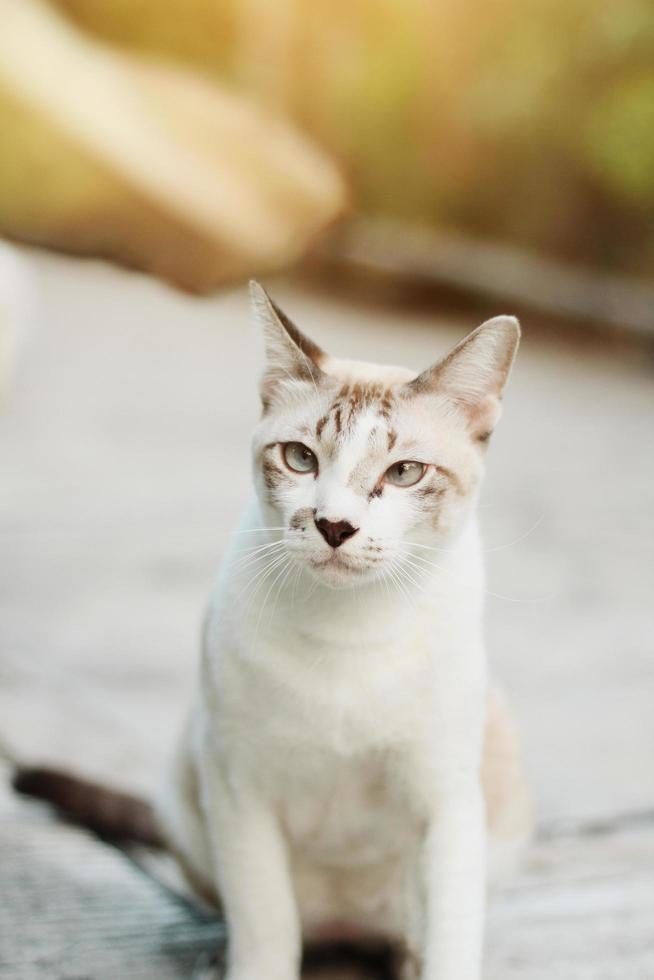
<point>351,400</point>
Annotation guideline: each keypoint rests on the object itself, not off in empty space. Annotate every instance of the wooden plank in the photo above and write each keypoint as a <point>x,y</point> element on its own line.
<point>73,907</point>
<point>582,909</point>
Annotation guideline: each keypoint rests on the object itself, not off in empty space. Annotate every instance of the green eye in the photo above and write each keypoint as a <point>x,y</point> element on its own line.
<point>405,473</point>
<point>299,457</point>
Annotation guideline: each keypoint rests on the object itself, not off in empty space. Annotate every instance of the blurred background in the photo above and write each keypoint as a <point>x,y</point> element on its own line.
<point>396,173</point>
<point>205,139</point>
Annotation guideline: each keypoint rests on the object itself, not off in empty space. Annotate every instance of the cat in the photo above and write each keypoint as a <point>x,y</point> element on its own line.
<point>348,769</point>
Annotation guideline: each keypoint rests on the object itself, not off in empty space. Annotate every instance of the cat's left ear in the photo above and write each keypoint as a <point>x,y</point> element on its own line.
<point>474,374</point>
<point>290,355</point>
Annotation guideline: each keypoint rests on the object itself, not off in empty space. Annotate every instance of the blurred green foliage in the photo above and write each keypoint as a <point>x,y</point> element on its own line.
<point>530,120</point>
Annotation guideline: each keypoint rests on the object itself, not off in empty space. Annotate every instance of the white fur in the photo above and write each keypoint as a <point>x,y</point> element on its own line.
<point>337,732</point>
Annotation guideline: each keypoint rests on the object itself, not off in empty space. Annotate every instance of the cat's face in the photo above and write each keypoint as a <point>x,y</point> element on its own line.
<point>356,461</point>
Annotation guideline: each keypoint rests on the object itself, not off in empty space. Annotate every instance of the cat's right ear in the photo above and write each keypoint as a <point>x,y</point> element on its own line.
<point>290,356</point>
<point>473,375</point>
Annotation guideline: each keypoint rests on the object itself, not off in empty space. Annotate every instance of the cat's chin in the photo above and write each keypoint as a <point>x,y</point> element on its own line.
<point>337,572</point>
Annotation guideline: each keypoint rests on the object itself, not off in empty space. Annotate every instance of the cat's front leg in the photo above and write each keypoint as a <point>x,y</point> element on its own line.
<point>455,884</point>
<point>254,881</point>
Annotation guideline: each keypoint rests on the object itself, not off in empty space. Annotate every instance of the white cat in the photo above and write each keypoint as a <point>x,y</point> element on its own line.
<point>346,761</point>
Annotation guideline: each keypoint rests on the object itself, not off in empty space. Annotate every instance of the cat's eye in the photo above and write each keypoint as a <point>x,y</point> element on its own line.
<point>299,457</point>
<point>405,473</point>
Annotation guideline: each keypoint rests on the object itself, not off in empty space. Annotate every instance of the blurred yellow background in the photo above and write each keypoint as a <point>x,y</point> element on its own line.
<point>530,122</point>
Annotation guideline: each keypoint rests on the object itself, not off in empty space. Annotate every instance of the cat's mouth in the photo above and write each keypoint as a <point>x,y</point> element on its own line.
<point>335,560</point>
<point>338,567</point>
<point>331,562</point>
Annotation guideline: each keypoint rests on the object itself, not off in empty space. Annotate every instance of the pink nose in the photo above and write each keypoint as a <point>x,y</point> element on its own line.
<point>335,532</point>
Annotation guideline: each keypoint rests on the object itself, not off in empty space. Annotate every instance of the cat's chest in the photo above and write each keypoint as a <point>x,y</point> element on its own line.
<point>341,761</point>
<point>343,811</point>
<point>289,705</point>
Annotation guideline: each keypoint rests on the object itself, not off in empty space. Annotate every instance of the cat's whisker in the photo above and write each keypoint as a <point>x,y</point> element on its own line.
<point>252,598</point>
<point>408,586</point>
<point>416,544</point>
<point>393,572</point>
<point>426,561</point>
<point>264,571</point>
<point>274,562</point>
<point>256,561</point>
<point>257,554</point>
<point>280,589</point>
<point>458,580</point>
<point>298,574</point>
<point>259,547</point>
<point>519,599</point>
<point>416,556</point>
<point>312,590</point>
<point>412,572</point>
<point>390,580</point>
<point>485,551</point>
<point>422,569</point>
<point>418,570</point>
<point>402,589</point>
<point>412,575</point>
<point>267,596</point>
<point>255,530</point>
<point>509,544</point>
<point>384,581</point>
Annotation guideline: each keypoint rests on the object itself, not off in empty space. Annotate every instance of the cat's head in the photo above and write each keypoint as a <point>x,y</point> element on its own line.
<point>354,461</point>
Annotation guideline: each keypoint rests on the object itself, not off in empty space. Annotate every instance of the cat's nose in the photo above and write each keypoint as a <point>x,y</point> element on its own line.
<point>335,532</point>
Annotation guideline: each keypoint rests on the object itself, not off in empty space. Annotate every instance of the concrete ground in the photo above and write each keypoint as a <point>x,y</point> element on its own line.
<point>124,462</point>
